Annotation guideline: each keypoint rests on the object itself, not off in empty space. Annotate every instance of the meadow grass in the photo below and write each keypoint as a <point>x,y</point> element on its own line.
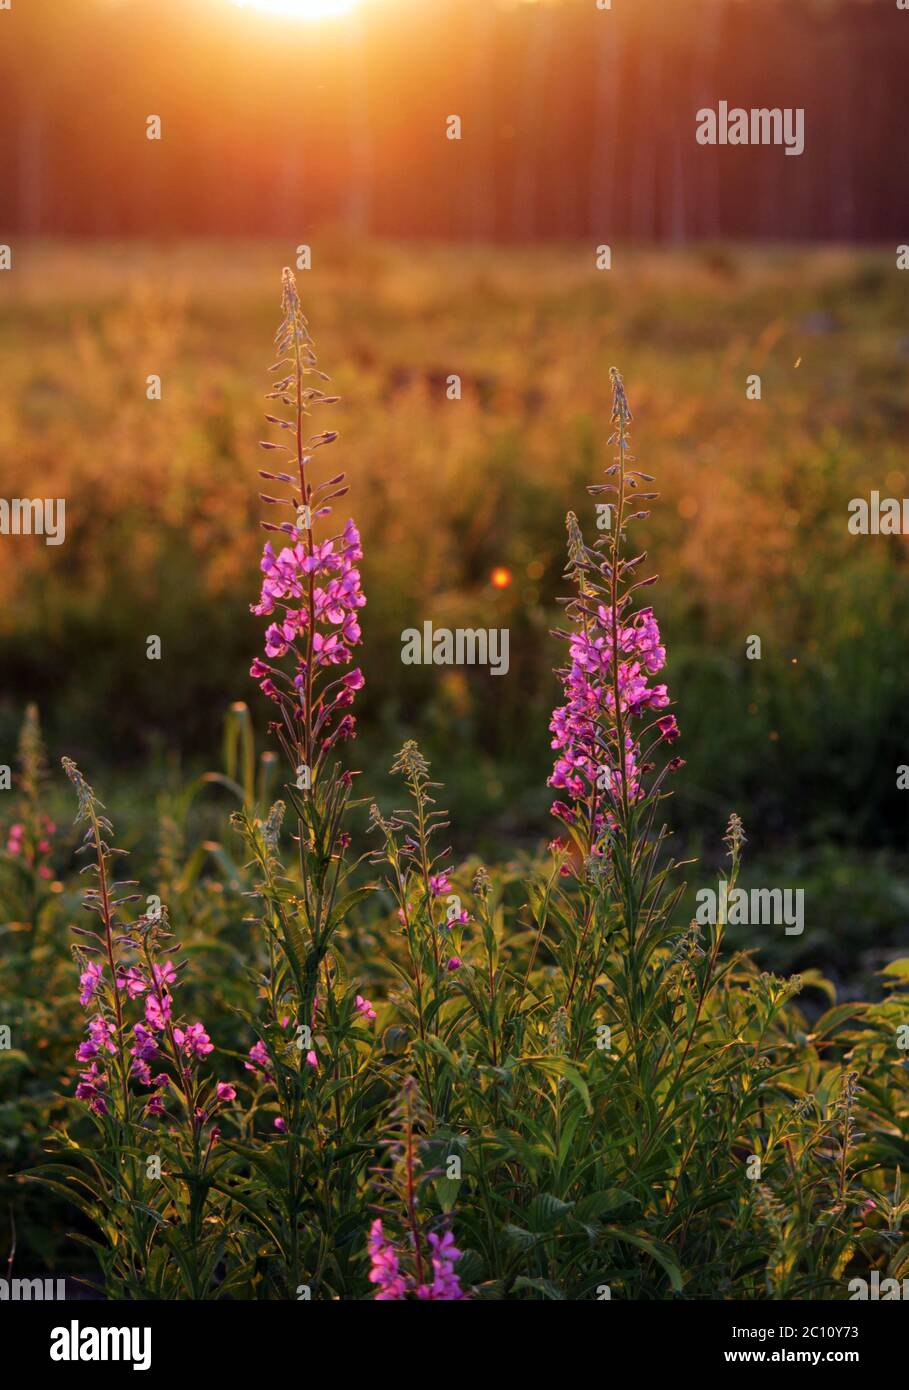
<point>559,1086</point>
<point>161,516</point>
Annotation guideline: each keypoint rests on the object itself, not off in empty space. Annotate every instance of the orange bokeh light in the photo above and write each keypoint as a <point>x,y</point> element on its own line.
<point>500,578</point>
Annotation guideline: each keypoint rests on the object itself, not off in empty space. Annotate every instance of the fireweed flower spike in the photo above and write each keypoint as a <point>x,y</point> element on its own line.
<point>419,1264</point>
<point>433,924</point>
<point>613,718</point>
<point>613,654</point>
<point>136,1071</point>
<point>129,970</point>
<point>311,599</point>
<point>312,595</point>
<point>29,839</point>
<point>311,587</point>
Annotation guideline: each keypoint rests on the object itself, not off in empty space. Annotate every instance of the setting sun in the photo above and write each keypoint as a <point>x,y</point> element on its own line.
<point>300,9</point>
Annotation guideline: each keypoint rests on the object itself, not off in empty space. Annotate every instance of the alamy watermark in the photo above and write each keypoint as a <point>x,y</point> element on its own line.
<point>877,516</point>
<point>875,1288</point>
<point>764,907</point>
<point>36,516</point>
<point>761,125</point>
<point>32,1290</point>
<point>75,1343</point>
<point>462,646</point>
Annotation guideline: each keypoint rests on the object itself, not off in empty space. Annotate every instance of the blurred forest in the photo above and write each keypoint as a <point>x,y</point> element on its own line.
<point>577,122</point>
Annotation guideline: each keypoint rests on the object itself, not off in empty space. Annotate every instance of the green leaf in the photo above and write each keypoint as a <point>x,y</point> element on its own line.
<point>546,1287</point>
<point>659,1252</point>
<point>559,1066</point>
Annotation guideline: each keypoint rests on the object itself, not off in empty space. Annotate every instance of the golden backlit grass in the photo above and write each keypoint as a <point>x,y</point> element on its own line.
<point>750,536</point>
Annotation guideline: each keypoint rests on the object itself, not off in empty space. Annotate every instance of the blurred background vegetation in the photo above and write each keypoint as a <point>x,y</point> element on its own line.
<point>749,537</point>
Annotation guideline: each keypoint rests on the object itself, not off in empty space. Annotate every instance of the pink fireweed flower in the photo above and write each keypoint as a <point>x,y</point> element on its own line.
<point>364,1007</point>
<point>133,981</point>
<point>113,1030</point>
<point>225,1092</point>
<point>384,1271</point>
<point>291,575</point>
<point>194,1040</point>
<point>32,844</point>
<point>101,1039</point>
<point>392,1284</point>
<point>322,560</point>
<point>259,1060</point>
<point>454,963</point>
<point>145,1045</point>
<point>158,1011</point>
<point>445,1286</point>
<point>439,884</point>
<point>92,1088</point>
<point>90,980</point>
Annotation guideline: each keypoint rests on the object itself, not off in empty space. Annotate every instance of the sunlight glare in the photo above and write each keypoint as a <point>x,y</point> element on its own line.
<point>300,9</point>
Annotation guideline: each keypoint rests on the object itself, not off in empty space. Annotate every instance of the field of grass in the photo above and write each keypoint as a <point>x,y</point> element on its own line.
<point>749,538</point>
<point>750,535</point>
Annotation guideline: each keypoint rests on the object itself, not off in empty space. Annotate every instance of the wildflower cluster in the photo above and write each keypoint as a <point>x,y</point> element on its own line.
<point>124,965</point>
<point>392,1284</point>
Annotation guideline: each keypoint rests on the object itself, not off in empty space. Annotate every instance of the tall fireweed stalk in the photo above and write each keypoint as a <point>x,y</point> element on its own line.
<point>311,590</point>
<point>315,1051</point>
<point>430,916</point>
<point>613,653</point>
<point>612,707</point>
<point>419,1263</point>
<point>431,925</point>
<point>29,836</point>
<point>315,1041</point>
<point>143,1075</point>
